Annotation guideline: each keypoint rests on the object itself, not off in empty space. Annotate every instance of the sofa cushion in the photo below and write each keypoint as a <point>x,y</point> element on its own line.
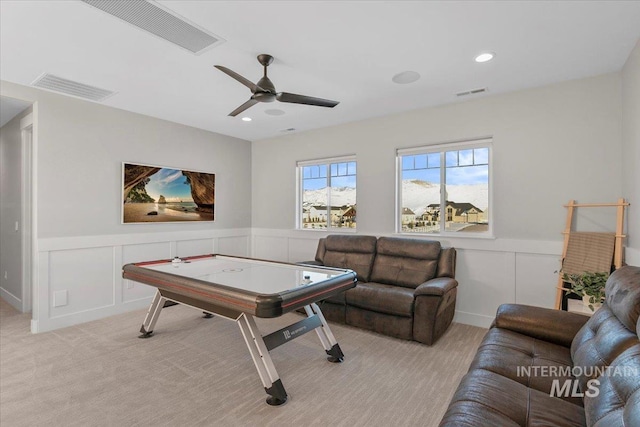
<point>353,252</point>
<point>405,262</point>
<point>333,312</point>
<point>382,323</point>
<point>382,298</point>
<point>623,295</point>
<point>599,342</point>
<point>612,329</point>
<point>610,340</point>
<point>485,398</point>
<point>617,403</point>
<point>339,298</point>
<point>526,360</point>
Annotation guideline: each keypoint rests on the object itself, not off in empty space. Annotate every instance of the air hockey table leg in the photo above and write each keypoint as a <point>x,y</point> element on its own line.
<point>152,315</point>
<point>331,346</point>
<point>262,360</point>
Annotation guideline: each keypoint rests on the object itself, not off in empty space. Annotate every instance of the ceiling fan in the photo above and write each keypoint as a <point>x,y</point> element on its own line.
<point>265,91</point>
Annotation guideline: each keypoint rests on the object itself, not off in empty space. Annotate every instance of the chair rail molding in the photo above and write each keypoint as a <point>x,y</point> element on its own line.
<point>80,277</point>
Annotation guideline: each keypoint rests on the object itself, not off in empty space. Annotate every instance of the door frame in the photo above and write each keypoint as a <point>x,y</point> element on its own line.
<point>26,233</point>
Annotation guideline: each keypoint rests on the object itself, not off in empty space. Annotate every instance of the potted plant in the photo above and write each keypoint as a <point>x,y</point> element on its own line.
<point>589,286</point>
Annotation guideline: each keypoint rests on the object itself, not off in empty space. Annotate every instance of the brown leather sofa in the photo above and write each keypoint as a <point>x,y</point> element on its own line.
<point>525,370</point>
<point>406,287</point>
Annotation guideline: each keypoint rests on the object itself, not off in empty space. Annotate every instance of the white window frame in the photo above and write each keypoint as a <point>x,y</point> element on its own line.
<point>486,142</point>
<point>299,190</point>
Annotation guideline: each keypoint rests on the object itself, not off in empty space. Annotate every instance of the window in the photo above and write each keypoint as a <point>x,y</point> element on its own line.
<point>445,188</point>
<point>327,193</point>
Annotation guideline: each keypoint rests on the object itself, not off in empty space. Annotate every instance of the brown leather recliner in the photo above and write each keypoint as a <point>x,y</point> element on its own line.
<point>547,367</point>
<point>406,287</point>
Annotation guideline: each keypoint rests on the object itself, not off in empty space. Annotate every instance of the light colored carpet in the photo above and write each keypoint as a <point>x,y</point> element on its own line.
<point>198,372</point>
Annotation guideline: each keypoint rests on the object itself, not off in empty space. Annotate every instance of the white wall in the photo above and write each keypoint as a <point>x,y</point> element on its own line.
<point>631,151</point>
<point>11,211</point>
<point>550,145</point>
<point>81,243</point>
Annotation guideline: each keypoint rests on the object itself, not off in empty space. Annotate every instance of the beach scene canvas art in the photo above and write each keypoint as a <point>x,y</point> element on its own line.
<point>161,194</point>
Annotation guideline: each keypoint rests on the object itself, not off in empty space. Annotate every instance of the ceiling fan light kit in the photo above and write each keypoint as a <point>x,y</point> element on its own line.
<point>265,91</point>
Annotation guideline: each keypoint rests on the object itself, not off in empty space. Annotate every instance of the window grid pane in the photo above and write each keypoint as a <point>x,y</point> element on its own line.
<point>420,162</point>
<point>328,201</point>
<point>466,186</point>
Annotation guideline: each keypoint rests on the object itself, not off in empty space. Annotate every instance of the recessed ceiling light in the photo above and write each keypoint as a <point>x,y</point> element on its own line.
<point>405,77</point>
<point>274,112</point>
<point>246,119</point>
<point>485,57</point>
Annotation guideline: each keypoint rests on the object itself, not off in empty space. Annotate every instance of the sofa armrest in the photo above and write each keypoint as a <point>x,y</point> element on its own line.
<point>546,324</point>
<point>438,286</point>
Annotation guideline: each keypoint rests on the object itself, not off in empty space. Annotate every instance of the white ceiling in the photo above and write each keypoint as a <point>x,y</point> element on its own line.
<point>346,51</point>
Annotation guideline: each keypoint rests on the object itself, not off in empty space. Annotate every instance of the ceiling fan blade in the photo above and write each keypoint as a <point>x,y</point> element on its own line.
<point>250,103</point>
<point>248,83</point>
<point>303,99</point>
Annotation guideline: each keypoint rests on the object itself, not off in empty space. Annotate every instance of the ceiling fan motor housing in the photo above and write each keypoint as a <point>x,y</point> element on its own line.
<point>264,96</point>
<point>266,84</point>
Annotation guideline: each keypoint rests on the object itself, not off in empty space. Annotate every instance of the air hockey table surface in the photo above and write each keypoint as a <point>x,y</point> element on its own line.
<point>238,289</point>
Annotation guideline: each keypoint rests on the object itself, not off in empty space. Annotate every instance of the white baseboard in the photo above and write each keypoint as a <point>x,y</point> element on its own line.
<point>90,315</point>
<point>473,319</point>
<point>13,300</point>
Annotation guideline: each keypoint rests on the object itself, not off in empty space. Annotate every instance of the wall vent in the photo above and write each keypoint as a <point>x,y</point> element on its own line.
<point>472,92</point>
<point>160,21</point>
<point>70,87</point>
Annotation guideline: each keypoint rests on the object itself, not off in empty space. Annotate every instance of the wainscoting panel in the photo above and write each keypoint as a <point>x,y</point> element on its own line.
<point>272,248</point>
<point>146,252</point>
<point>632,256</point>
<point>80,280</point>
<point>89,269</point>
<point>234,245</point>
<point>302,249</point>
<point>186,248</point>
<point>536,277</point>
<point>485,280</point>
<point>134,291</point>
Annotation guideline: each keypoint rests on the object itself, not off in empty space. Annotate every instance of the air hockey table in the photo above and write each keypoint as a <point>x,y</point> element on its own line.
<point>240,289</point>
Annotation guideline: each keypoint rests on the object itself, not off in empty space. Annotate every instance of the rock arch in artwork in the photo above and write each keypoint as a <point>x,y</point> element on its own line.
<point>133,174</point>
<point>202,184</point>
<point>202,190</point>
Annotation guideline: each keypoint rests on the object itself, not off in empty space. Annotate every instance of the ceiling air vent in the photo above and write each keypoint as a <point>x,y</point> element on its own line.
<point>70,87</point>
<point>472,92</point>
<point>160,21</point>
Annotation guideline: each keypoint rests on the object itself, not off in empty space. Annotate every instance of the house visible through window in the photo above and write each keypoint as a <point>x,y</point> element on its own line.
<point>327,193</point>
<point>444,188</point>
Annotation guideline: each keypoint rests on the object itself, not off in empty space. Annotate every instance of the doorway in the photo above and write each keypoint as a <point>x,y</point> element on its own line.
<point>16,203</point>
